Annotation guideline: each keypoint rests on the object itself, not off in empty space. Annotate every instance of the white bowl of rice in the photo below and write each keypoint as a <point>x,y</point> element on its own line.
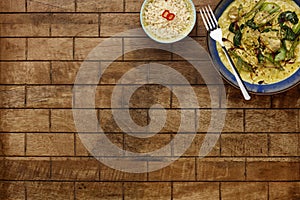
<point>168,21</point>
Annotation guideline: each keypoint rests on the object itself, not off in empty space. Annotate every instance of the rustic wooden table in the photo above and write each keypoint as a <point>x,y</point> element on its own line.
<point>43,43</point>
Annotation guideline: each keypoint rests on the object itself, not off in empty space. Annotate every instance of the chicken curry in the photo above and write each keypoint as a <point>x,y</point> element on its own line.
<point>262,38</point>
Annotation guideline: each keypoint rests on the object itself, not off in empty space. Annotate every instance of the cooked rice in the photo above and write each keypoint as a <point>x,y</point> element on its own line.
<point>160,27</point>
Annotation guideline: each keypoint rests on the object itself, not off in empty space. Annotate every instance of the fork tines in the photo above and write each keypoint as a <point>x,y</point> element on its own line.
<point>209,19</point>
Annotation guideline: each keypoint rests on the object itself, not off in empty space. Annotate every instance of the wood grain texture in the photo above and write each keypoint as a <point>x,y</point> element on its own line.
<point>244,145</point>
<point>43,44</point>
<point>58,144</point>
<point>49,97</point>
<point>284,144</point>
<point>253,190</point>
<point>196,190</point>
<point>12,6</point>
<point>14,25</point>
<point>12,96</point>
<point>25,168</point>
<point>18,120</point>
<point>24,73</point>
<point>12,48</point>
<point>50,6</point>
<point>99,190</point>
<point>74,25</point>
<point>112,24</point>
<point>273,169</point>
<point>50,49</point>
<point>221,169</point>
<point>49,190</point>
<point>12,190</point>
<point>104,6</point>
<point>75,169</point>
<point>182,169</point>
<point>12,144</point>
<point>284,190</point>
<point>267,120</point>
<point>147,190</point>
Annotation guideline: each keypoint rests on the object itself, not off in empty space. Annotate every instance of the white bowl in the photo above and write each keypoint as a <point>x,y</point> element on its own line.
<point>180,37</point>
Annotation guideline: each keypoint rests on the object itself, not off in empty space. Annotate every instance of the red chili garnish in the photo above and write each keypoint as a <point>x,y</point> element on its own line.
<point>170,16</point>
<point>167,15</point>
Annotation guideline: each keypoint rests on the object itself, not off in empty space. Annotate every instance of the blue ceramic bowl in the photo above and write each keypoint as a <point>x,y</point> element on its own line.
<point>228,76</point>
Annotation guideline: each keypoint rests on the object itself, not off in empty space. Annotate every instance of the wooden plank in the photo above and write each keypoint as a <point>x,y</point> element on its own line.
<point>12,144</point>
<point>216,169</point>
<point>50,49</point>
<point>25,168</point>
<point>148,95</point>
<point>233,120</point>
<point>99,190</point>
<point>194,148</point>
<point>12,48</point>
<point>24,73</point>
<point>49,190</point>
<point>147,191</point>
<point>272,169</point>
<point>140,43</point>
<point>233,98</point>
<point>62,121</point>
<point>19,120</point>
<point>244,190</point>
<point>114,23</point>
<point>107,173</point>
<point>267,120</point>
<point>284,144</point>
<point>12,6</point>
<point>87,169</point>
<point>84,46</point>
<point>288,99</point>
<point>114,72</point>
<point>12,96</point>
<point>58,144</point>
<point>49,97</point>
<point>74,25</point>
<point>244,145</point>
<point>284,190</point>
<point>51,6</point>
<point>195,190</point>
<point>14,25</point>
<point>104,6</point>
<point>203,94</point>
<point>182,169</point>
<point>12,190</point>
<point>145,145</point>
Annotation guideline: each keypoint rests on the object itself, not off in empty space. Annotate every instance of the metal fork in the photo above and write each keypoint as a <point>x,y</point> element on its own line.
<point>215,32</point>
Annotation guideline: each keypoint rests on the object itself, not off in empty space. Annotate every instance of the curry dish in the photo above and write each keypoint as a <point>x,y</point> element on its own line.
<point>262,38</point>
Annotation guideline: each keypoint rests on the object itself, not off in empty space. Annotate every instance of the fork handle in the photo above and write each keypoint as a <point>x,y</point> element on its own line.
<point>237,76</point>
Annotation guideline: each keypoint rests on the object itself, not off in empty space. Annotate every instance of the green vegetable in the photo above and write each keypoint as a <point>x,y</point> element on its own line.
<point>255,8</point>
<point>234,27</point>
<point>296,28</point>
<point>270,7</point>
<point>237,38</point>
<point>288,33</point>
<point>276,64</point>
<point>241,64</point>
<point>251,24</point>
<point>282,54</point>
<point>260,57</point>
<point>288,16</point>
<point>291,53</point>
